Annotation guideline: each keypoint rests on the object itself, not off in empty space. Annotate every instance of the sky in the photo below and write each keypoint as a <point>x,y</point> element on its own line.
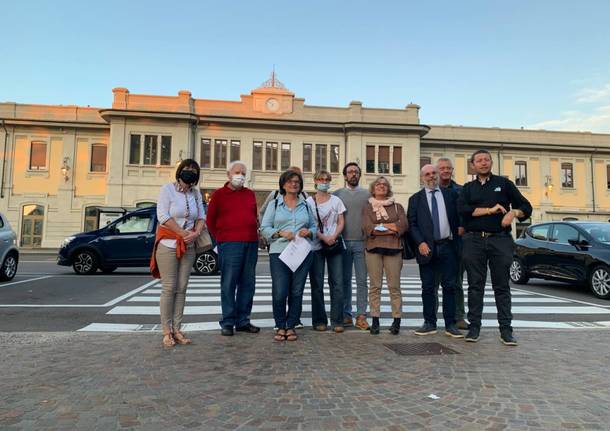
<point>537,64</point>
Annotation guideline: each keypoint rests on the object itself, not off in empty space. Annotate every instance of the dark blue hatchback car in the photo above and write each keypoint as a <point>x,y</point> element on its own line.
<point>128,242</point>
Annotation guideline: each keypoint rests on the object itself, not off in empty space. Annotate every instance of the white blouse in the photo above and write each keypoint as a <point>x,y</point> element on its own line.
<point>184,207</point>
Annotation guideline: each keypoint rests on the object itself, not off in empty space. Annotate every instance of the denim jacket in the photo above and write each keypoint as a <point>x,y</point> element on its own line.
<point>279,217</point>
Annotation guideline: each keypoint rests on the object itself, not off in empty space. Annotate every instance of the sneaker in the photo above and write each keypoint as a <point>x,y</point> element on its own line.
<point>320,328</point>
<point>473,334</point>
<point>348,321</point>
<point>452,331</point>
<point>462,324</point>
<point>361,323</point>
<point>338,329</point>
<point>299,325</point>
<point>507,338</point>
<point>426,329</point>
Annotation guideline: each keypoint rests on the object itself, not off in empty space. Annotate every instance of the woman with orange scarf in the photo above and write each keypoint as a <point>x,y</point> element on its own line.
<point>181,220</point>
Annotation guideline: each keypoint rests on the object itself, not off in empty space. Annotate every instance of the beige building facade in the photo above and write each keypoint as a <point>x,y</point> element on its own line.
<point>66,169</point>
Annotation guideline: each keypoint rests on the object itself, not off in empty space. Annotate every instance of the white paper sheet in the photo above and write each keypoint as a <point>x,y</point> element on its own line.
<point>295,253</point>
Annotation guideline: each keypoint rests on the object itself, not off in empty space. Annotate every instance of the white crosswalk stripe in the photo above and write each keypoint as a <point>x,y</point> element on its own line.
<point>203,301</point>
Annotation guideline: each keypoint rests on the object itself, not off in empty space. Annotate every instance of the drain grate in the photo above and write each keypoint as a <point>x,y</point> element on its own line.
<point>421,349</point>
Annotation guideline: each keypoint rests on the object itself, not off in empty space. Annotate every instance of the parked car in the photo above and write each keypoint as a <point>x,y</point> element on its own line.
<point>574,252</point>
<point>127,241</point>
<point>9,254</point>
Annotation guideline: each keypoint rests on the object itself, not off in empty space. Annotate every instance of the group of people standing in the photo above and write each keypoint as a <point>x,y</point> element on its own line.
<point>450,228</point>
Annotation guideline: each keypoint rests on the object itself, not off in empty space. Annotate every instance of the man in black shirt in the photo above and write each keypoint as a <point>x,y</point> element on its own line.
<point>488,205</point>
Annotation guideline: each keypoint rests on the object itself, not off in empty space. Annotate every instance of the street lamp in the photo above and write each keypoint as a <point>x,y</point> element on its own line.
<point>65,169</point>
<point>548,185</point>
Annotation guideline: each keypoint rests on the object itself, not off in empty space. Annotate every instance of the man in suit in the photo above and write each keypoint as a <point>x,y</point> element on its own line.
<point>433,228</point>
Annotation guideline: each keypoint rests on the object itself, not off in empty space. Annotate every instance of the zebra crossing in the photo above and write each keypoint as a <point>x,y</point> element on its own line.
<point>203,309</point>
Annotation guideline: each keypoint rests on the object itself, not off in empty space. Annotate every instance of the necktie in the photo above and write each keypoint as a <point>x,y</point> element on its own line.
<point>435,220</point>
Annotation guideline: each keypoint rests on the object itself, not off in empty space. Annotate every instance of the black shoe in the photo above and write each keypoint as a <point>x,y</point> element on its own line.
<point>453,332</point>
<point>250,328</point>
<point>226,331</point>
<point>375,326</point>
<point>473,334</point>
<point>426,329</point>
<point>507,338</point>
<point>395,328</point>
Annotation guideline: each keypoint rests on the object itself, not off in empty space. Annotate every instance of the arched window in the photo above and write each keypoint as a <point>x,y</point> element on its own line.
<point>91,219</point>
<point>32,222</point>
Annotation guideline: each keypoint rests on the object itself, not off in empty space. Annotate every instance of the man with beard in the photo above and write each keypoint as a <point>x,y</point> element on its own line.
<point>354,198</point>
<point>433,227</point>
<point>488,205</point>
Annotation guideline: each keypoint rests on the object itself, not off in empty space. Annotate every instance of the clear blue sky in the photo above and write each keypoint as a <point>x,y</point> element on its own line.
<point>531,63</point>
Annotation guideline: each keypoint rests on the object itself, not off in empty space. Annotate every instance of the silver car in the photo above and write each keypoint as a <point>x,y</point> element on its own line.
<point>9,255</point>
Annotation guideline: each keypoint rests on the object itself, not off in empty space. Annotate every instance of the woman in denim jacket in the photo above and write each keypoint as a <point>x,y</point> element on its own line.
<point>285,218</point>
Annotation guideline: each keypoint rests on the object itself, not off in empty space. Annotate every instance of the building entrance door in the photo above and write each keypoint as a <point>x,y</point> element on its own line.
<point>31,226</point>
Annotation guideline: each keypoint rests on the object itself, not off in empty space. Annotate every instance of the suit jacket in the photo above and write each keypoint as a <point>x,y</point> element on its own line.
<point>421,228</point>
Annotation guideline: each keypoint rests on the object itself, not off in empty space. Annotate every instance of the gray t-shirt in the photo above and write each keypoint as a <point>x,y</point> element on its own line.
<point>354,200</point>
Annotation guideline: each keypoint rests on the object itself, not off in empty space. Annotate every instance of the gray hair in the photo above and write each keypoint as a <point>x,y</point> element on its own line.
<point>236,162</point>
<point>444,159</point>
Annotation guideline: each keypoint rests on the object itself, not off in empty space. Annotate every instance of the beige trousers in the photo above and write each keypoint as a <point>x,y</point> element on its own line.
<point>174,278</point>
<point>376,265</point>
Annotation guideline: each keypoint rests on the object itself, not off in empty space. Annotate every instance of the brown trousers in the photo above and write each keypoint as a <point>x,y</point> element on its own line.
<point>376,265</point>
<point>174,279</point>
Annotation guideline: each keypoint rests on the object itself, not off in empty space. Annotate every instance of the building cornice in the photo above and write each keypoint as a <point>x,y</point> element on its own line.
<point>107,114</point>
<point>329,126</point>
<point>32,122</point>
<point>510,145</point>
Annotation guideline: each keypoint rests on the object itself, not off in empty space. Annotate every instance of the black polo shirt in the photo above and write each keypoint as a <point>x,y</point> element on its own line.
<point>496,190</point>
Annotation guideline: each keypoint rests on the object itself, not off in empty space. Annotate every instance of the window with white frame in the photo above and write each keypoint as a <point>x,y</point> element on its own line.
<point>150,150</point>
<point>521,173</point>
<point>567,175</point>
<point>38,155</point>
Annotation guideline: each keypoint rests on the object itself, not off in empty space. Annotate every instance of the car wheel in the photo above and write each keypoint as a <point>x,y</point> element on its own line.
<point>599,281</point>
<point>108,269</point>
<point>85,262</point>
<point>518,275</point>
<point>206,263</point>
<point>9,267</point>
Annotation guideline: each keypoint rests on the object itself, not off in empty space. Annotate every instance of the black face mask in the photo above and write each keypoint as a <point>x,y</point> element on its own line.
<point>188,177</point>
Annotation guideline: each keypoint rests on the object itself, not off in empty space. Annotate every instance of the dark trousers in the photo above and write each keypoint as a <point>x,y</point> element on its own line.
<point>287,290</point>
<point>459,289</point>
<point>335,284</point>
<point>237,280</point>
<point>497,252</point>
<point>444,265</point>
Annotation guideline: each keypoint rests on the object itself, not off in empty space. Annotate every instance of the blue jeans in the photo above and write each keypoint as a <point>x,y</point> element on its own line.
<point>354,255</point>
<point>237,275</point>
<point>335,283</point>
<point>287,290</point>
<point>443,262</point>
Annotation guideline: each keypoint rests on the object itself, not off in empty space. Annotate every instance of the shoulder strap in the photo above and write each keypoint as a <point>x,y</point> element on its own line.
<point>320,225</point>
<point>275,199</point>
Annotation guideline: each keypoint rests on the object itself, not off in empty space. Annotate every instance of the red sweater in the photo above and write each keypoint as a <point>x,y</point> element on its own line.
<point>232,215</point>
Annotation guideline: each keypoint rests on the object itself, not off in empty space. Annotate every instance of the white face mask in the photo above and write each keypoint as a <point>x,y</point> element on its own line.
<point>238,180</point>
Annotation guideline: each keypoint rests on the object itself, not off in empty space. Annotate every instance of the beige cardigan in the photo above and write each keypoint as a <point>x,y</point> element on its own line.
<point>376,239</point>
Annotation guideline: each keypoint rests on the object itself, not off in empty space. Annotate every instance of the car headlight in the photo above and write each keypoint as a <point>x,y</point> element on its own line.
<point>67,241</point>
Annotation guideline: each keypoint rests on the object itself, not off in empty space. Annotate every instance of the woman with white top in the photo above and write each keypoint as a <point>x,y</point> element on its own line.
<point>181,220</point>
<point>327,249</point>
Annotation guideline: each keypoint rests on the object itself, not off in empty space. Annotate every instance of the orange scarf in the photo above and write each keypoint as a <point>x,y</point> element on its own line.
<point>165,233</point>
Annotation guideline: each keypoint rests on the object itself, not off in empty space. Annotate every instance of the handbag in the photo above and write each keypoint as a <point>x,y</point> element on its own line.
<point>328,250</point>
<point>407,250</point>
<point>203,242</point>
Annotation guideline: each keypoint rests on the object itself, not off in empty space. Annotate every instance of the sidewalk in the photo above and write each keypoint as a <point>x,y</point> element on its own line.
<point>554,380</point>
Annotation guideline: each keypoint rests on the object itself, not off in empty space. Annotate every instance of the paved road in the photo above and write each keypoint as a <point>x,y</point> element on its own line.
<point>46,297</point>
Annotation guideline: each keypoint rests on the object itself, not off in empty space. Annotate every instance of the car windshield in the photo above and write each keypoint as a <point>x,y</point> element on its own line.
<point>599,231</point>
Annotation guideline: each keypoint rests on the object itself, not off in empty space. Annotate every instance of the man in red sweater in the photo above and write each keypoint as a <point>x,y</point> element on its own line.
<point>232,220</point>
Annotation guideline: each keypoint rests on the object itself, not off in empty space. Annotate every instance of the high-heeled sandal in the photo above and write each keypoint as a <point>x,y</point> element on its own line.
<point>180,338</point>
<point>168,340</point>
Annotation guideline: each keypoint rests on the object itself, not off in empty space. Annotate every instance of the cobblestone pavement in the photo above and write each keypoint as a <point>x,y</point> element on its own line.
<point>554,380</point>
